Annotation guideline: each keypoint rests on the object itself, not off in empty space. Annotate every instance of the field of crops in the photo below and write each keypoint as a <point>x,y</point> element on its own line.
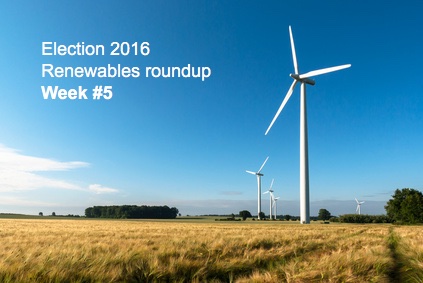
<point>45,250</point>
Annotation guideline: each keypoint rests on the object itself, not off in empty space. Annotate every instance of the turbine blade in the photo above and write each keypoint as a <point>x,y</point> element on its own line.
<point>285,100</point>
<point>324,71</point>
<point>251,172</point>
<point>294,54</point>
<point>356,201</point>
<point>265,192</point>
<point>271,184</point>
<point>263,165</point>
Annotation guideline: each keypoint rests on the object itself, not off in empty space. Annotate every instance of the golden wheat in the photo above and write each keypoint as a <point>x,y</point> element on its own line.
<point>147,251</point>
<point>410,253</point>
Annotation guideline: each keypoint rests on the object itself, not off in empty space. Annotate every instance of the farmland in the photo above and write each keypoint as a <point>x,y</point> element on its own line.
<point>69,250</point>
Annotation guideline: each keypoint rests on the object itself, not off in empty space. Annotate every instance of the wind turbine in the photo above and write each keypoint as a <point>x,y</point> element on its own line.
<point>276,206</point>
<point>270,192</point>
<point>258,174</point>
<point>303,79</point>
<point>358,209</point>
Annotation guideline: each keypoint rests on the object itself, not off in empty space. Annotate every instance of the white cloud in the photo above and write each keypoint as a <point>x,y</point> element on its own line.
<point>11,159</point>
<point>99,189</point>
<point>18,172</point>
<point>25,185</point>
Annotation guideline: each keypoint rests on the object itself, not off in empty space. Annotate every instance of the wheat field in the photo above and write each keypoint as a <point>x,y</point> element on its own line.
<point>62,250</point>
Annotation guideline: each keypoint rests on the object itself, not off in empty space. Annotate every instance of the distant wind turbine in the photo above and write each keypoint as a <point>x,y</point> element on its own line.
<point>258,174</point>
<point>270,192</point>
<point>275,204</point>
<point>303,79</point>
<point>358,209</point>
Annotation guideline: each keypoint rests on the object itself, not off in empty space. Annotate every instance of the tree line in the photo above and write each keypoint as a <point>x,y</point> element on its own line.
<point>132,212</point>
<point>363,218</point>
<point>405,207</point>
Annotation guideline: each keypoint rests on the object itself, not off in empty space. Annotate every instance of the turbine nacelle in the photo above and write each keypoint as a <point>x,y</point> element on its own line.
<point>254,173</point>
<point>304,80</point>
<point>359,202</point>
<point>258,172</point>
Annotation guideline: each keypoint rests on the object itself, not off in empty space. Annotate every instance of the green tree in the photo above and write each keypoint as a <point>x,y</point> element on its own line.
<point>324,214</point>
<point>406,206</point>
<point>262,216</point>
<point>40,214</point>
<point>53,213</point>
<point>245,214</point>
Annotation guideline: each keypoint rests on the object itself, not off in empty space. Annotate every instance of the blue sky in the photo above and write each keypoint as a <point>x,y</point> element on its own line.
<point>185,142</point>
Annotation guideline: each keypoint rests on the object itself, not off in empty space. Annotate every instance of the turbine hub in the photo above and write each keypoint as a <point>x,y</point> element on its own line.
<point>304,80</point>
<point>295,77</point>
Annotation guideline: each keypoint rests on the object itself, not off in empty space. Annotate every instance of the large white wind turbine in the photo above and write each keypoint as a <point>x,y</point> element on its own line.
<point>303,79</point>
<point>358,209</point>
<point>258,174</point>
<point>270,192</point>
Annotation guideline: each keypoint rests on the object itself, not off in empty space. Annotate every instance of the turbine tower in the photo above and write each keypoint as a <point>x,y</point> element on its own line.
<point>303,79</point>
<point>258,174</point>
<point>358,209</point>
<point>270,192</point>
<point>275,204</point>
